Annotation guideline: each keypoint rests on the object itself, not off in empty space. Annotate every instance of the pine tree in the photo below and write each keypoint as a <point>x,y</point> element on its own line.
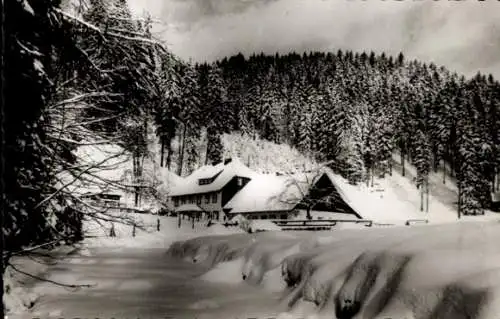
<point>214,147</point>
<point>192,151</point>
<point>354,149</point>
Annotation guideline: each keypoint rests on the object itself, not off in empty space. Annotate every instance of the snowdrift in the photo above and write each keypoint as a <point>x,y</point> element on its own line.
<point>448,271</point>
<point>146,233</point>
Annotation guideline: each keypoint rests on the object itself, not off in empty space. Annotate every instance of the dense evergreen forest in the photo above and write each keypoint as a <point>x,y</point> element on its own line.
<point>354,111</point>
<point>91,73</point>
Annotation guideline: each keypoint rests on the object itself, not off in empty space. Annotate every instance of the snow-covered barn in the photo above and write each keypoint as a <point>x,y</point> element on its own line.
<point>266,196</point>
<point>270,196</point>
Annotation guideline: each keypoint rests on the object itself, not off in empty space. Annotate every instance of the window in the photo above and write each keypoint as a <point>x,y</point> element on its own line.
<point>192,199</point>
<point>176,202</point>
<point>283,216</point>
<point>204,181</point>
<point>207,199</point>
<point>183,200</point>
<point>214,198</point>
<point>198,199</point>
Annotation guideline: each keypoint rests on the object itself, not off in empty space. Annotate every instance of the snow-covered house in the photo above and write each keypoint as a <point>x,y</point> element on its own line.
<point>265,196</point>
<point>211,186</point>
<point>234,189</point>
<point>272,196</point>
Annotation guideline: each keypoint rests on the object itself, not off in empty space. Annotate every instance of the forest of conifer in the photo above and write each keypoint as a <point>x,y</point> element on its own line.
<point>355,111</point>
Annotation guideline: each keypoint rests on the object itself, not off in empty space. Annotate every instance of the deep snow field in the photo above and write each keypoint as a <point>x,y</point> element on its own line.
<point>449,271</point>
<point>20,294</point>
<point>433,271</point>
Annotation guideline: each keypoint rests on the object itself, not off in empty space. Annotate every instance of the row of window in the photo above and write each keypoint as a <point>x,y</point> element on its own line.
<point>195,199</point>
<point>270,216</point>
<point>205,181</point>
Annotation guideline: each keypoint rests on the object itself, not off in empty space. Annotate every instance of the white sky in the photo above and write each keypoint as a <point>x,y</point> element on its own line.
<point>462,35</point>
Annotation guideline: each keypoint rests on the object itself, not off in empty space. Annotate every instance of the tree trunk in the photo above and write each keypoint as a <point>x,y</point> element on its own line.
<point>493,180</point>
<point>459,201</point>
<point>181,151</point>
<point>162,152</point>
<point>403,163</point>
<point>368,177</point>
<point>444,171</point>
<point>206,152</point>
<point>308,215</point>
<point>372,174</point>
<point>435,158</point>
<point>135,162</point>
<point>498,180</point>
<point>452,167</point>
<point>427,194</point>
<point>136,197</point>
<point>421,197</point>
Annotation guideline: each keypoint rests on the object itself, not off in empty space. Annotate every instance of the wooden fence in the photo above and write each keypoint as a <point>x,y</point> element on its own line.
<point>328,224</point>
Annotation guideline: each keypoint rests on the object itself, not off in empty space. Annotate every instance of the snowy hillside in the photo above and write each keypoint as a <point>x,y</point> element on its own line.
<point>265,157</point>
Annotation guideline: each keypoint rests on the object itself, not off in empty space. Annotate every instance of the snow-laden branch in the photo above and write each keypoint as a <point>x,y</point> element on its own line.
<point>83,96</point>
<point>127,31</point>
<point>135,19</point>
<point>76,179</point>
<point>113,34</point>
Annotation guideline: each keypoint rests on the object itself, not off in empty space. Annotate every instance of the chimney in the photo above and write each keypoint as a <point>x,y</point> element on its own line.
<point>227,160</point>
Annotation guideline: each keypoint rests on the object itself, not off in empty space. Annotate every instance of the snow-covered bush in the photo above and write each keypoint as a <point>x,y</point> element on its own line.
<point>245,225</point>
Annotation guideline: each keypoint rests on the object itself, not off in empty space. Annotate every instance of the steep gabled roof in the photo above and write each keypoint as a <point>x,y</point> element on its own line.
<point>281,193</point>
<point>268,192</point>
<point>190,185</point>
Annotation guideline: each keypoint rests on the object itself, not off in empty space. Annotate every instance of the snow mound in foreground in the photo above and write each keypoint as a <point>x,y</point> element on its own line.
<point>16,299</point>
<point>449,271</point>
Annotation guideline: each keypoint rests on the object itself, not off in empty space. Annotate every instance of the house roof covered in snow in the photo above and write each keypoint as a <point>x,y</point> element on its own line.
<point>221,173</point>
<point>268,192</point>
<point>170,177</point>
<point>282,193</point>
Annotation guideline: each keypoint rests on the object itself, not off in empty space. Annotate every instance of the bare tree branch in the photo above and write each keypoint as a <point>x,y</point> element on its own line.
<point>73,181</point>
<point>50,281</point>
